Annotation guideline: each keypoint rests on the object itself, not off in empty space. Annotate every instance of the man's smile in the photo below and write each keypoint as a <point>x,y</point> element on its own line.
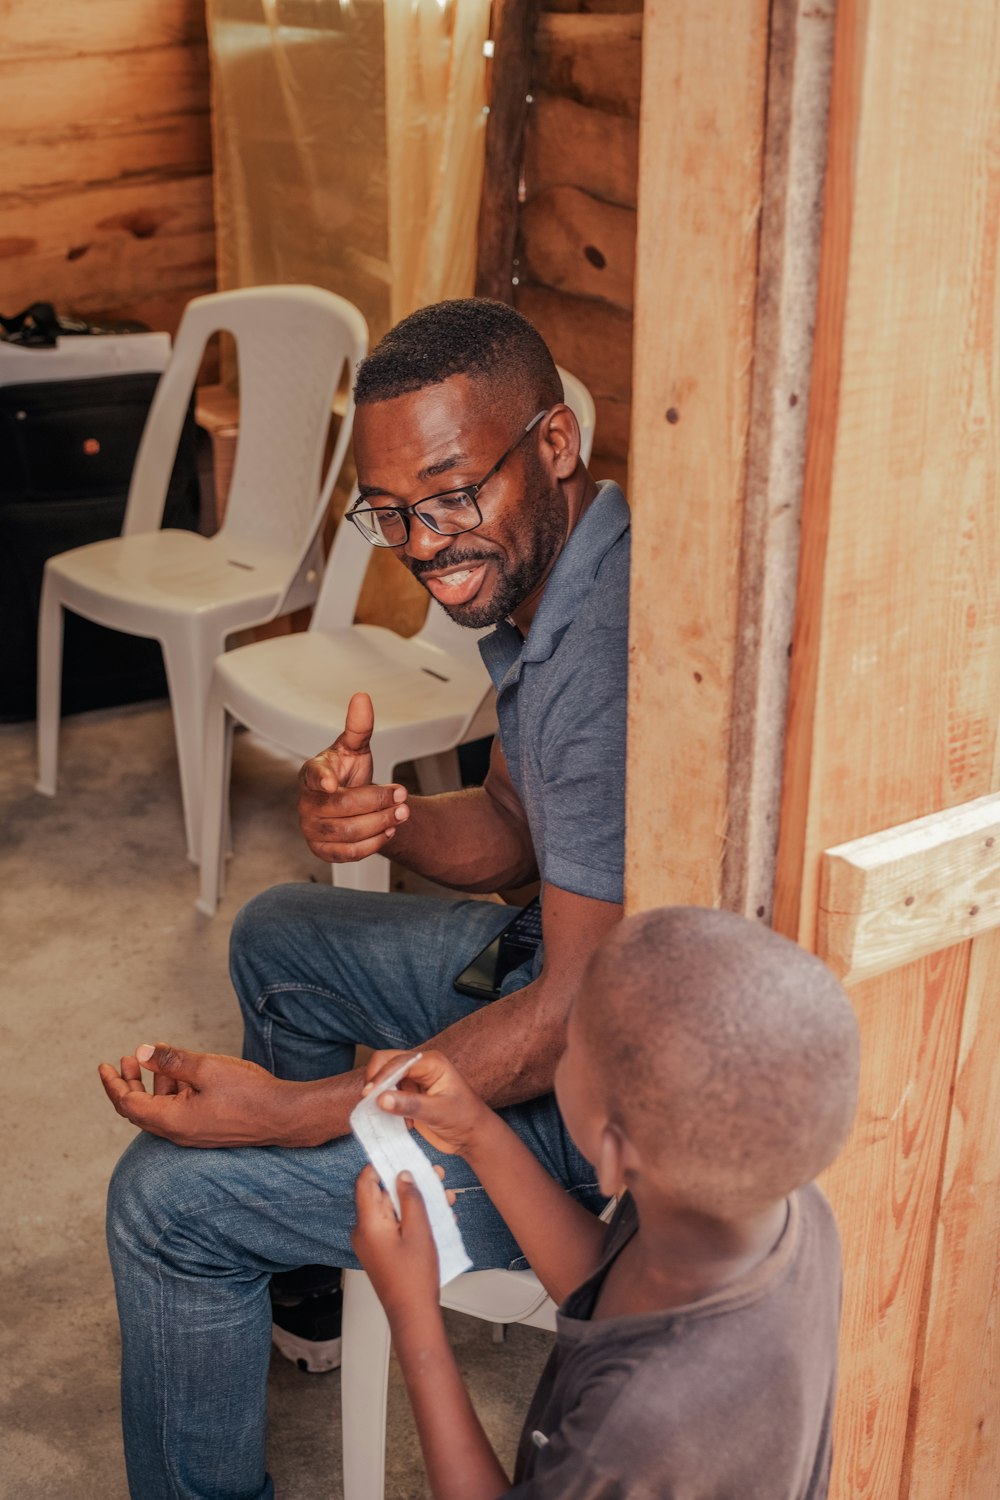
<point>455,585</point>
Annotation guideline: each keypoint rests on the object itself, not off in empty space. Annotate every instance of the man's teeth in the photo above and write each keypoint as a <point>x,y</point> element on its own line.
<point>454,579</point>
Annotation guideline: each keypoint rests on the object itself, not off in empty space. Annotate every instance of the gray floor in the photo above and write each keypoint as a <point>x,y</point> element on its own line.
<point>101,948</point>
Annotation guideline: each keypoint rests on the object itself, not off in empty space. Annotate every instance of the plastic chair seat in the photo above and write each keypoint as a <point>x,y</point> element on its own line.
<point>164,574</point>
<point>294,688</point>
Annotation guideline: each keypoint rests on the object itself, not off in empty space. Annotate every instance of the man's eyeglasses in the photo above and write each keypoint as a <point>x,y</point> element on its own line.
<point>449,513</point>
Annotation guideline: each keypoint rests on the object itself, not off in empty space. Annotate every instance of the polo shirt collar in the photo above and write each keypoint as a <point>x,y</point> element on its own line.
<point>504,650</point>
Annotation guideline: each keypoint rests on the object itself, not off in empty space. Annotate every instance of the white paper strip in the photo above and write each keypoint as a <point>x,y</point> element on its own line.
<point>392,1149</point>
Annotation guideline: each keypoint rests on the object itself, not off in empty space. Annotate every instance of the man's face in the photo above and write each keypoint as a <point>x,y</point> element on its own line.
<point>445,437</point>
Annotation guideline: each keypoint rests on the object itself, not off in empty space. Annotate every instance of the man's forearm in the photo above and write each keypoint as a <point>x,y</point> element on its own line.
<point>465,841</point>
<point>507,1051</point>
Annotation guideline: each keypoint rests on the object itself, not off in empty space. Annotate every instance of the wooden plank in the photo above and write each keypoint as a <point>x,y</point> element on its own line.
<point>894,896</point>
<point>568,145</point>
<point>108,153</point>
<point>956,1397</point>
<point>896,660</point>
<point>703,96</point>
<point>66,96</point>
<point>896,664</point>
<point>514,23</point>
<point>108,249</point>
<point>30,31</point>
<point>595,60</point>
<point>591,339</point>
<point>884,1188</point>
<point>795,147</point>
<point>575,243</point>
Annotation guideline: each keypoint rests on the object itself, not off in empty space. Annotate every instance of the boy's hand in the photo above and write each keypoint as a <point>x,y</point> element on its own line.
<point>434,1097</point>
<point>399,1255</point>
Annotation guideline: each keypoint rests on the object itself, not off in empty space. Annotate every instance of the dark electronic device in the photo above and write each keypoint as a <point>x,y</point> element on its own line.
<point>513,946</point>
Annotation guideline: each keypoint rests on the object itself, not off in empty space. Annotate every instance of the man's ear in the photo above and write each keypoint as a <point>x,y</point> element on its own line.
<point>563,436</point>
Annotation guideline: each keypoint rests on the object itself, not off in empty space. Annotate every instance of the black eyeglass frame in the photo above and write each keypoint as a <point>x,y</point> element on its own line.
<point>405,512</point>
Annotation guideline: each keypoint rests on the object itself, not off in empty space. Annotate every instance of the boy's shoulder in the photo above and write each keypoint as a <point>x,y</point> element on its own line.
<point>692,1392</point>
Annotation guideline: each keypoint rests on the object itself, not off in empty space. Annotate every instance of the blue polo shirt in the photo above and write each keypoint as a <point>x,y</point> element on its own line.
<point>561,704</point>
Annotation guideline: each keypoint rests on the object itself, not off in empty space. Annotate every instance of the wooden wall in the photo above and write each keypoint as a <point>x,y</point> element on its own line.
<point>105,185</point>
<point>569,265</point>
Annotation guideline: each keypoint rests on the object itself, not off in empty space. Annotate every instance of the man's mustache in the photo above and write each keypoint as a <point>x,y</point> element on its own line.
<point>451,557</point>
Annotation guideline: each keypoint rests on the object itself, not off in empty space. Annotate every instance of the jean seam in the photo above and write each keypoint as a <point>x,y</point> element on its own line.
<point>391,1036</point>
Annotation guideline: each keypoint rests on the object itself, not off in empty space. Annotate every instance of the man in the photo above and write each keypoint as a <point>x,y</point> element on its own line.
<point>468,467</point>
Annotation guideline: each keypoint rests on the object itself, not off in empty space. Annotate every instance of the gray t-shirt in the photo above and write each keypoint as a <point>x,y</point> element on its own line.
<point>729,1398</point>
<point>561,703</point>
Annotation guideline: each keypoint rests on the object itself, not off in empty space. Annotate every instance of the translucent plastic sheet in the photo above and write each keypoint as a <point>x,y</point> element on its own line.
<point>349,146</point>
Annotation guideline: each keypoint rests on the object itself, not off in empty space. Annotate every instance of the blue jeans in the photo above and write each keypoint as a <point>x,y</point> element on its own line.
<point>194,1236</point>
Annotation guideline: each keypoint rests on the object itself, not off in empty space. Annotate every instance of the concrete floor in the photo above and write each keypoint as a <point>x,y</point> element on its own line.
<point>101,948</point>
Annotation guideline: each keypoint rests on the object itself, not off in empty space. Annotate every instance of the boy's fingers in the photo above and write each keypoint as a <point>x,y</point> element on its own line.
<point>412,1212</point>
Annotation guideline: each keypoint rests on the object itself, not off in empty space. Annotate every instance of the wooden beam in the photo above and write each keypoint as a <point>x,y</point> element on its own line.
<point>514,24</point>
<point>895,896</point>
<point>700,163</point>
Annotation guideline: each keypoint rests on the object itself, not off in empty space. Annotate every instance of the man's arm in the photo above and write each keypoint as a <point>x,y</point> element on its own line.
<point>507,1050</point>
<point>476,840</point>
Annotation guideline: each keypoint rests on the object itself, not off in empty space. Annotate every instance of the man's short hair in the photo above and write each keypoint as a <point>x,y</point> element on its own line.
<point>473,336</point>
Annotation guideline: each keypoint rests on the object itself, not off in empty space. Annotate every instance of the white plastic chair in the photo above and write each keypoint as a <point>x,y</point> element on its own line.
<point>494,1296</point>
<point>430,692</point>
<point>188,591</point>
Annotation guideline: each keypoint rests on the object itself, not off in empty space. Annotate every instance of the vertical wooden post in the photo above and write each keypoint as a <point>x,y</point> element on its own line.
<point>700,161</point>
<point>514,23</point>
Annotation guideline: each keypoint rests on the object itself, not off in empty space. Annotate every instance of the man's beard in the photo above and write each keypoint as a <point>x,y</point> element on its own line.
<point>542,523</point>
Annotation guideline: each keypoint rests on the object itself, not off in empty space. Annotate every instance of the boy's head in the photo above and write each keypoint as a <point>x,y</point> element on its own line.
<point>709,1062</point>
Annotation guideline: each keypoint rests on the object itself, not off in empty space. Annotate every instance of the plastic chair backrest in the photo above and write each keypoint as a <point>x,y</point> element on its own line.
<point>292,344</point>
<point>350,555</point>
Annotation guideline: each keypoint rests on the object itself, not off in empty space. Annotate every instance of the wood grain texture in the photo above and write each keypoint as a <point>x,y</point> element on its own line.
<point>897,895</point>
<point>701,138</point>
<point>896,666</point>
<point>896,670</point>
<point>591,339</point>
<point>956,1410</point>
<point>576,243</point>
<point>568,145</point>
<point>106,196</point>
<point>595,60</point>
<point>514,23</point>
<point>884,1189</point>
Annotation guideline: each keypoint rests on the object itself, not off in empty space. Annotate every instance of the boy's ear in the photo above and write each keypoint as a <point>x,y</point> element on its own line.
<point>611,1161</point>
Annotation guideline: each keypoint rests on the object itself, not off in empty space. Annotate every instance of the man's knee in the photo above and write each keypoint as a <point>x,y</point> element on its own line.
<point>142,1196</point>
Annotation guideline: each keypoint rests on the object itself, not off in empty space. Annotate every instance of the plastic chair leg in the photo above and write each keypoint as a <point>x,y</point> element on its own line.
<point>188,661</point>
<point>371,874</point>
<point>364,1377</point>
<point>215,799</point>
<point>50,650</point>
<point>439,773</point>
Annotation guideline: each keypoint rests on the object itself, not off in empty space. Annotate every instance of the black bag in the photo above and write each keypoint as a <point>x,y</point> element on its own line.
<point>67,449</point>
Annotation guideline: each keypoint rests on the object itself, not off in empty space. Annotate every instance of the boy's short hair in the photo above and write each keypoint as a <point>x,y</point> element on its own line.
<point>726,1052</point>
<point>473,336</point>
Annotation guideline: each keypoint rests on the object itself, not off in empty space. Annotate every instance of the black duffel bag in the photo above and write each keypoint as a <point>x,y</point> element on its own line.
<point>67,449</point>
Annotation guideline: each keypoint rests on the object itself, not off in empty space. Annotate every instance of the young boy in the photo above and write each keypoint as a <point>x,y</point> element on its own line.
<point>710,1073</point>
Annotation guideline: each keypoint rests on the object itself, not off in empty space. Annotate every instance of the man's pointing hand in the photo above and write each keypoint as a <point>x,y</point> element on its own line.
<point>343,816</point>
